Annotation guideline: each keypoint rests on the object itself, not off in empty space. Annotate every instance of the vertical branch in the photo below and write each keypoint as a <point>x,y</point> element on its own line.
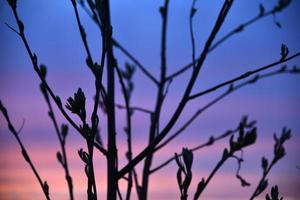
<point>192,13</point>
<point>126,93</point>
<point>61,135</point>
<point>112,168</point>
<point>164,14</point>
<point>97,71</point>
<point>77,106</point>
<point>144,153</point>
<point>154,124</point>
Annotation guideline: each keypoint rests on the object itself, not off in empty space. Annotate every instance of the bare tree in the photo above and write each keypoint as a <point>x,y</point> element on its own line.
<point>107,69</point>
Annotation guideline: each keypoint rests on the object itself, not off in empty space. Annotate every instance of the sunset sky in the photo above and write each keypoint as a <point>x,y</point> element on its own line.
<point>52,32</point>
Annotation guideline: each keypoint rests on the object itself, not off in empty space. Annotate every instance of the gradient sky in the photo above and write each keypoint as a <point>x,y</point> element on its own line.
<point>53,35</point>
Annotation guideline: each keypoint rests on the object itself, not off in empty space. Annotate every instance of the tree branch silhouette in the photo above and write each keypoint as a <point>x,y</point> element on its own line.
<point>117,44</point>
<point>61,135</point>
<point>209,142</point>
<point>232,88</point>
<point>126,91</point>
<point>225,9</point>
<point>279,153</point>
<point>134,108</point>
<point>158,137</point>
<point>34,61</point>
<point>25,154</point>
<point>193,10</point>
<point>246,137</point>
<point>262,14</point>
<point>112,156</point>
<point>242,76</point>
<point>155,116</point>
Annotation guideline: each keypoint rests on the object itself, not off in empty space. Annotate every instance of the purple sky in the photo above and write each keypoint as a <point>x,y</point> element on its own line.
<point>53,35</point>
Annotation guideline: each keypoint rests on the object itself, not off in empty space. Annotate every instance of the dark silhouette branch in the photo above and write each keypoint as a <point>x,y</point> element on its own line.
<point>126,94</point>
<point>112,156</point>
<point>279,153</point>
<point>135,61</point>
<point>247,137</point>
<point>11,28</point>
<point>61,135</point>
<point>34,61</point>
<point>240,28</point>
<point>193,10</point>
<point>242,76</point>
<point>97,71</point>
<point>83,37</point>
<point>117,44</point>
<point>159,137</point>
<point>155,116</point>
<point>25,154</point>
<point>209,142</point>
<point>134,108</point>
<point>92,12</point>
<point>231,33</point>
<point>150,148</point>
<point>232,88</point>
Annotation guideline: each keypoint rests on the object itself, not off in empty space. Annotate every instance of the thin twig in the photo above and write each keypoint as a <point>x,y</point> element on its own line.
<point>97,71</point>
<point>279,153</point>
<point>128,130</point>
<point>155,117</point>
<point>209,142</point>
<point>55,98</point>
<point>133,59</point>
<point>242,76</point>
<point>122,48</point>
<point>240,28</point>
<point>244,139</point>
<point>11,28</point>
<point>224,38</point>
<point>135,108</point>
<point>192,13</point>
<point>231,89</point>
<point>146,151</point>
<point>25,154</point>
<point>61,138</point>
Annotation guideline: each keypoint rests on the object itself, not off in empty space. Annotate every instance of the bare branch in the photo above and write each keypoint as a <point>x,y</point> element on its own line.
<point>245,138</point>
<point>126,94</point>
<point>209,142</point>
<point>25,154</point>
<point>11,28</point>
<point>61,135</point>
<point>231,89</point>
<point>135,61</point>
<point>225,9</point>
<point>279,153</point>
<point>244,75</point>
<point>192,13</point>
<point>134,108</point>
<point>227,36</point>
<point>34,61</point>
<point>155,117</point>
<point>120,47</point>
